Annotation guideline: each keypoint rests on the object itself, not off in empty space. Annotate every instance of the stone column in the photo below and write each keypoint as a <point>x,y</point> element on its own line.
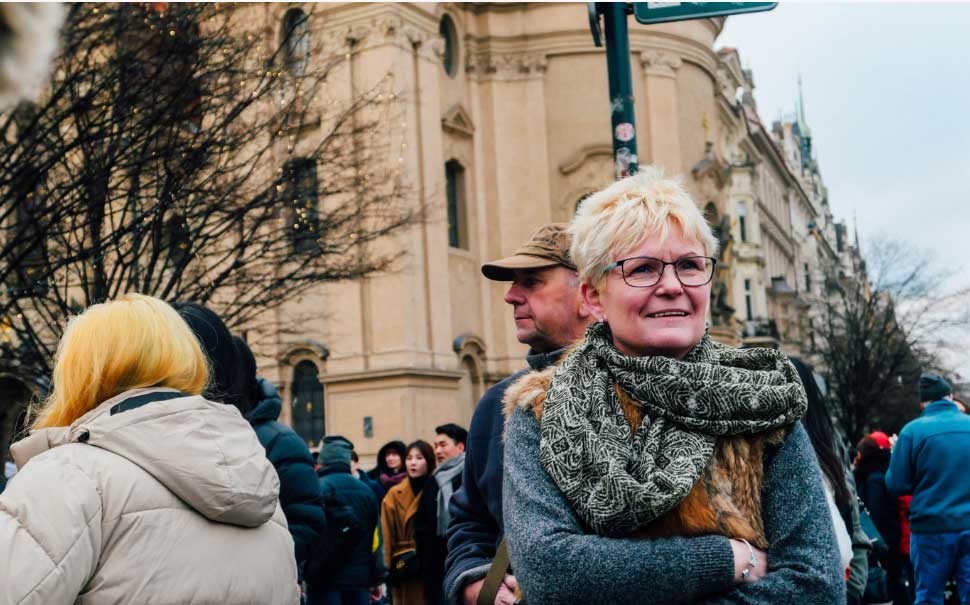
<point>514,174</point>
<point>662,117</point>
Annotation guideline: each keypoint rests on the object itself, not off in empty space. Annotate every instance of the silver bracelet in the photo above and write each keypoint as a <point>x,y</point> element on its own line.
<point>752,562</point>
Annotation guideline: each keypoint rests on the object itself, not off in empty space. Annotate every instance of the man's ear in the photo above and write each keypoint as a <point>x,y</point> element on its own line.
<point>591,298</point>
<point>461,447</point>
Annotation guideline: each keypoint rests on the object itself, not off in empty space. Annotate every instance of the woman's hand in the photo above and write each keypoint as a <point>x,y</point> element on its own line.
<point>742,562</point>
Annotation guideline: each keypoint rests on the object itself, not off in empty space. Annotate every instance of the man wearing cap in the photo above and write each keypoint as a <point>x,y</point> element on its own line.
<point>549,315</point>
<point>930,461</point>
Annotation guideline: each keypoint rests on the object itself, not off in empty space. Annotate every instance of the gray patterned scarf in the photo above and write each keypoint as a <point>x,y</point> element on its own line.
<point>617,481</point>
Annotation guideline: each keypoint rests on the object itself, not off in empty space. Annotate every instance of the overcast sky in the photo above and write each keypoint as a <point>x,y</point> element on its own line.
<point>887,97</point>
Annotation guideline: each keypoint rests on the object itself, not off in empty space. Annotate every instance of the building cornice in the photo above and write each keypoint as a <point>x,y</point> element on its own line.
<point>427,376</point>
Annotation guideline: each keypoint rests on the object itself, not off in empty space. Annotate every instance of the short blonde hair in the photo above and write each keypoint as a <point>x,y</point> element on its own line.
<point>616,219</point>
<point>134,342</point>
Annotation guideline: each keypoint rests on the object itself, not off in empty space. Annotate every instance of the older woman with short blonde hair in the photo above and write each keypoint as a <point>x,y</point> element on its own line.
<point>132,487</point>
<point>653,464</point>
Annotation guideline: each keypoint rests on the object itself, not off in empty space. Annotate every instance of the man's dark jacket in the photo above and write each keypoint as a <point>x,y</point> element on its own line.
<point>359,572</point>
<point>289,455</point>
<point>476,508</point>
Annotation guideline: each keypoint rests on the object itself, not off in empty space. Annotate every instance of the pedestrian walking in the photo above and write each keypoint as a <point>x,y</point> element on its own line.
<point>432,519</point>
<point>134,488</point>
<point>650,430</point>
<point>234,382</point>
<point>397,520</point>
<point>929,462</point>
<point>549,316</point>
<point>840,491</point>
<point>390,465</point>
<point>356,578</point>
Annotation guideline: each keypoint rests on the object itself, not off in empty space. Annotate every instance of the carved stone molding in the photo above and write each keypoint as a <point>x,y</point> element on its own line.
<point>589,169</point>
<point>458,121</point>
<point>659,63</point>
<point>506,66</point>
<point>389,29</point>
<point>306,349</point>
<point>578,159</point>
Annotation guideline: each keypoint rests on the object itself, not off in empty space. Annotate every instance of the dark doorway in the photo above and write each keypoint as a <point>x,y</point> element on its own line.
<point>307,404</point>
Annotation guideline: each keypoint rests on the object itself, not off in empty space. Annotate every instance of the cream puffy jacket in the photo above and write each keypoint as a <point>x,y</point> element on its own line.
<point>171,501</point>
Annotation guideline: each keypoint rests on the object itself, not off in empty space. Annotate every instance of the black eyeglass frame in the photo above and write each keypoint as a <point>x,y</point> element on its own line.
<point>663,267</point>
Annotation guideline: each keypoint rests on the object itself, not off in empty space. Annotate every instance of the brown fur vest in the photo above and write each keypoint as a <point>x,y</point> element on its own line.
<point>727,501</point>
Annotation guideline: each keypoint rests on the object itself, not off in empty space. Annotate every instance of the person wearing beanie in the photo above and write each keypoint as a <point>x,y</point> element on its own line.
<point>358,576</point>
<point>234,382</point>
<point>929,462</point>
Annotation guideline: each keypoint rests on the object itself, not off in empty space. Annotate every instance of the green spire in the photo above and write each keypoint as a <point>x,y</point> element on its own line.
<point>802,123</point>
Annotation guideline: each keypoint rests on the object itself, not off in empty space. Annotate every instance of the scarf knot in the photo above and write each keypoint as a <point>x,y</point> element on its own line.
<point>618,480</point>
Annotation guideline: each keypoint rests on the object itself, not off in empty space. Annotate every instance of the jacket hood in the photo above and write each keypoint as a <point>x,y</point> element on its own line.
<point>269,407</point>
<point>203,452</point>
<point>381,467</point>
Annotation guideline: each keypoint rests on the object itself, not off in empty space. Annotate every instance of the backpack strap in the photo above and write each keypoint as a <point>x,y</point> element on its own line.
<point>496,574</point>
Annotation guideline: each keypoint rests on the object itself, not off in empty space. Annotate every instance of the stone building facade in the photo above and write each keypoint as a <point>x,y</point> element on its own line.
<point>505,126</point>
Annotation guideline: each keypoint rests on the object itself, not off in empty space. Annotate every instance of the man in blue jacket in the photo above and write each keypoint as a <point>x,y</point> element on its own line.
<point>549,315</point>
<point>930,461</point>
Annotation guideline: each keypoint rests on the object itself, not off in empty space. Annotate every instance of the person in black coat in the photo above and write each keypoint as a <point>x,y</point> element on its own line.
<point>872,462</point>
<point>358,578</point>
<point>234,381</point>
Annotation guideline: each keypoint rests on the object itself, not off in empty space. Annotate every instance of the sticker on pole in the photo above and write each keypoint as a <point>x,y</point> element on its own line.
<point>624,132</point>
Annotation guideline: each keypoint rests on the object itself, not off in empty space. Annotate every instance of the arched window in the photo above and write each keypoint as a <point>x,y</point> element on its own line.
<point>457,221</point>
<point>300,196</point>
<point>450,36</point>
<point>295,37</point>
<point>307,403</point>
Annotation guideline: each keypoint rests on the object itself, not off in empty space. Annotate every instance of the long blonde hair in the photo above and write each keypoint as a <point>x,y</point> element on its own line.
<point>133,342</point>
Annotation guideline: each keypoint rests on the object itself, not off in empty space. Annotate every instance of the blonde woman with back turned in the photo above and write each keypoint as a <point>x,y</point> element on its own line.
<point>132,487</point>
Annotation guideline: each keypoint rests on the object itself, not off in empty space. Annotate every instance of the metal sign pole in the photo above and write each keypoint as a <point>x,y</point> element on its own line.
<point>625,159</point>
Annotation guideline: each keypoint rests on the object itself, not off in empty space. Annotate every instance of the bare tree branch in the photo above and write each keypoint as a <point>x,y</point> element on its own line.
<point>168,157</point>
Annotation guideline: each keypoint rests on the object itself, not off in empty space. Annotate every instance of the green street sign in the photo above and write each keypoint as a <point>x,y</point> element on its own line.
<point>661,12</point>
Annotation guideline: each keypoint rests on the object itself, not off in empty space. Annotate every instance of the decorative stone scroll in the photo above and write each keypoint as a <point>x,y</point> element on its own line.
<point>660,63</point>
<point>486,65</point>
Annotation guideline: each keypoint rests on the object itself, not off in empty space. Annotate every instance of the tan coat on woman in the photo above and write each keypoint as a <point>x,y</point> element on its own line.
<point>397,522</point>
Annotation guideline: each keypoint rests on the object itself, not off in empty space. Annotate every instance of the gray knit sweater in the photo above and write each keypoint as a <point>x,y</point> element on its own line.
<point>555,561</point>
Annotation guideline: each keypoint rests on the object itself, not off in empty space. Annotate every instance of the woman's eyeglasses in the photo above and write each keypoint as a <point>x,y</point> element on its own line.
<point>646,271</point>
